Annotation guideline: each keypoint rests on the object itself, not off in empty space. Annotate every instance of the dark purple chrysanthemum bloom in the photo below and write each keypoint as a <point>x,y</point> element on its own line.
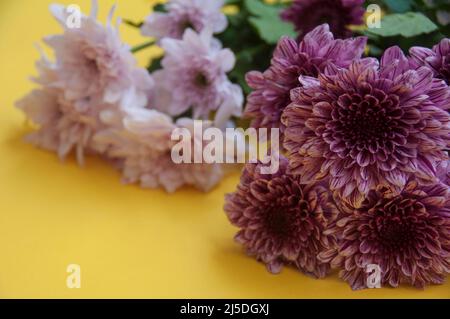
<point>407,235</point>
<point>368,125</point>
<point>437,59</point>
<point>282,222</point>
<point>272,88</point>
<point>339,14</point>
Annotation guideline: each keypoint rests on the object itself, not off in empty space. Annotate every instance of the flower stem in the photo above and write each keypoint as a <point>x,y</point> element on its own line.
<point>142,46</point>
<point>133,24</point>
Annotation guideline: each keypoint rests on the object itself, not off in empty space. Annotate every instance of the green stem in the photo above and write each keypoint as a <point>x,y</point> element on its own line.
<point>142,46</point>
<point>133,24</point>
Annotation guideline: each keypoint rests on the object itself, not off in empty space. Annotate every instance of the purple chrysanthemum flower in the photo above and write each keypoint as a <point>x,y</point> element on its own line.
<point>339,14</point>
<point>183,14</point>
<point>407,235</point>
<point>281,221</point>
<point>272,88</point>
<point>437,59</point>
<point>368,125</point>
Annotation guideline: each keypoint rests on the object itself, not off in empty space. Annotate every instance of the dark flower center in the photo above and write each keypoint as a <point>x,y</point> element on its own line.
<point>279,222</point>
<point>92,65</point>
<point>365,122</point>
<point>186,24</point>
<point>282,220</point>
<point>201,80</point>
<point>190,20</point>
<point>396,223</point>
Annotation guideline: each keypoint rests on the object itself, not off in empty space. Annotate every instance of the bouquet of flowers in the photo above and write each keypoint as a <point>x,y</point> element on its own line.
<point>363,181</point>
<point>94,98</point>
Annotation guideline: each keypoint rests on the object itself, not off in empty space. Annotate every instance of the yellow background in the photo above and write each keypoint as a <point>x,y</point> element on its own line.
<point>129,242</point>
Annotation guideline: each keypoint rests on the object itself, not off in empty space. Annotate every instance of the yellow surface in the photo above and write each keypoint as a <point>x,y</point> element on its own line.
<point>129,242</point>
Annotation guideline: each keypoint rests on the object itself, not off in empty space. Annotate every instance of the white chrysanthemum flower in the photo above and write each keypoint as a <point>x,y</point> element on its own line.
<point>183,14</point>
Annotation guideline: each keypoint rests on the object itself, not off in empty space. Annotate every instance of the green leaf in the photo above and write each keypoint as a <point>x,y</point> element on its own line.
<point>266,20</point>
<point>159,8</point>
<point>408,25</point>
<point>232,2</point>
<point>155,65</point>
<point>258,8</point>
<point>399,6</point>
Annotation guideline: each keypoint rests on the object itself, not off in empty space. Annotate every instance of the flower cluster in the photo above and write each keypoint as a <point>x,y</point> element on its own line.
<point>364,170</point>
<point>367,167</point>
<point>95,99</point>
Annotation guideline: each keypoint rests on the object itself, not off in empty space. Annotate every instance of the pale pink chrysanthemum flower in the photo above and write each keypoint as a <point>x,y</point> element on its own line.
<point>183,14</point>
<point>62,126</point>
<point>139,141</point>
<point>194,75</point>
<point>92,61</point>
<point>93,71</point>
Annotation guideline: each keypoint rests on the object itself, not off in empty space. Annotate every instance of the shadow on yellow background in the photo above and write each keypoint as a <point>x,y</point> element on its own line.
<point>129,242</point>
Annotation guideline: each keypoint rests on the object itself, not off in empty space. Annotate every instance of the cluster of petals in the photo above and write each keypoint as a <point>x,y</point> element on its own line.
<point>93,98</point>
<point>374,136</point>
